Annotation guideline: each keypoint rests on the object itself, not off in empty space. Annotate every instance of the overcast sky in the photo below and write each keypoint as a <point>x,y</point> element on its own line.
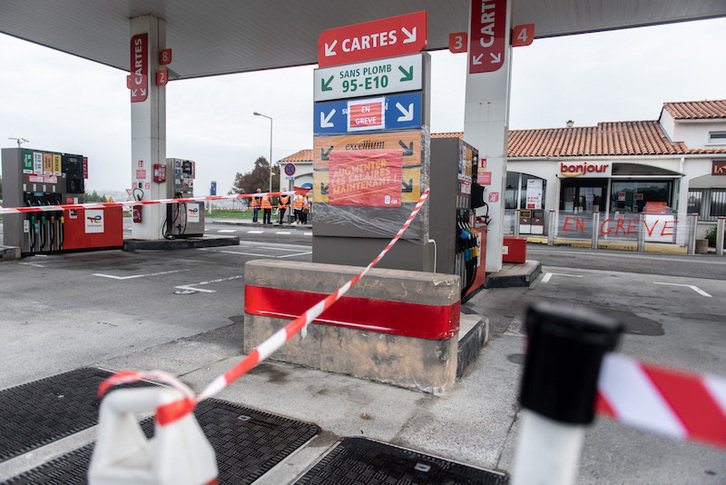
<point>67,104</point>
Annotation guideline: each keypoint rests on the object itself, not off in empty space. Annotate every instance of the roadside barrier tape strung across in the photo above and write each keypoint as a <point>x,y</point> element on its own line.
<point>277,340</point>
<point>667,401</point>
<point>102,205</point>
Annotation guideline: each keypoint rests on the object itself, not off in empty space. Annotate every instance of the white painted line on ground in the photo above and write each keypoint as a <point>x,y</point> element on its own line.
<point>294,254</point>
<point>693,287</point>
<point>307,233</point>
<point>193,286</point>
<point>37,265</point>
<point>255,232</point>
<point>283,233</point>
<point>227,230</point>
<point>548,276</point>
<point>130,277</point>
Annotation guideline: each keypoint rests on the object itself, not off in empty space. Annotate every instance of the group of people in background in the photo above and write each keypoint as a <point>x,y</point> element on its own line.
<point>299,203</point>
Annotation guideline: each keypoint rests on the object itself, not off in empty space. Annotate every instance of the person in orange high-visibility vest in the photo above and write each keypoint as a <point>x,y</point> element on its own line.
<point>266,210</point>
<point>305,209</point>
<point>283,204</point>
<point>255,207</point>
<point>297,207</point>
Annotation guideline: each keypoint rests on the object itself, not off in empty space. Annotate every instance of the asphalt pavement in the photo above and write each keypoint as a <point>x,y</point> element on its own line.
<point>183,312</point>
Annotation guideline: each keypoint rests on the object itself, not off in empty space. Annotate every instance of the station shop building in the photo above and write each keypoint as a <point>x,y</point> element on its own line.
<point>667,168</point>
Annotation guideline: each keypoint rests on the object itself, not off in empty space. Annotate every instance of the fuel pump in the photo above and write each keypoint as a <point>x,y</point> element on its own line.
<point>41,178</point>
<point>185,219</point>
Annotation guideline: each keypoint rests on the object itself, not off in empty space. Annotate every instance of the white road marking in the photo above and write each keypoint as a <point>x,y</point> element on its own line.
<point>307,233</point>
<point>294,254</point>
<point>130,277</point>
<point>255,232</point>
<point>548,276</point>
<point>283,233</point>
<point>693,287</point>
<point>193,286</point>
<point>227,230</point>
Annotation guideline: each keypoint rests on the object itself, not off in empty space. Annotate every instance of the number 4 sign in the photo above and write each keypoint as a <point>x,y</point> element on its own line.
<point>522,35</point>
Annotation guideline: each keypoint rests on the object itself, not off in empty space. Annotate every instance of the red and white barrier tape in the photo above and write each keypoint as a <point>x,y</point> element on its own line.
<point>278,339</point>
<point>671,402</point>
<point>102,205</point>
<point>667,401</point>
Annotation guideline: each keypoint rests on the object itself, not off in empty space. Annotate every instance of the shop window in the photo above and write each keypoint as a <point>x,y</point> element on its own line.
<point>583,195</point>
<point>709,204</point>
<point>519,189</point>
<point>718,203</point>
<point>634,196</point>
<point>512,190</point>
<point>695,201</point>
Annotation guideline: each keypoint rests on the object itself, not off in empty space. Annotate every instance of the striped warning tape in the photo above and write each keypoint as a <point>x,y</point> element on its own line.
<point>102,205</point>
<point>278,339</point>
<point>667,401</point>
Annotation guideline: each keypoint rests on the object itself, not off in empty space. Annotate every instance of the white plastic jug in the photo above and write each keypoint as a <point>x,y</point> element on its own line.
<point>178,454</point>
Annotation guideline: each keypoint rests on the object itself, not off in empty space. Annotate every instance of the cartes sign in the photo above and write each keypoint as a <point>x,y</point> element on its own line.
<point>399,111</point>
<point>486,52</point>
<point>389,37</point>
<point>369,78</point>
<point>139,68</point>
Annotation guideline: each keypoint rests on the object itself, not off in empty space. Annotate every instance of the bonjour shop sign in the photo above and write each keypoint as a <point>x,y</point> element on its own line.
<point>585,169</point>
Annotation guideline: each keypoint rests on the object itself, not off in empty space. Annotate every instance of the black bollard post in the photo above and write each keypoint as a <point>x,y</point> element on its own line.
<point>565,349</point>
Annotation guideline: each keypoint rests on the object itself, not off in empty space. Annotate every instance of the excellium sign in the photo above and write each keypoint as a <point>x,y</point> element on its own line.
<point>584,169</point>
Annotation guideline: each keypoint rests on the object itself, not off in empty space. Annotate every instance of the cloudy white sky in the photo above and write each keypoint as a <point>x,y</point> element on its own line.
<point>67,104</point>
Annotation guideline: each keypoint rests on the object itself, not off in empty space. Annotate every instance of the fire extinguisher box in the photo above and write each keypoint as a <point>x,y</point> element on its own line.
<point>514,250</point>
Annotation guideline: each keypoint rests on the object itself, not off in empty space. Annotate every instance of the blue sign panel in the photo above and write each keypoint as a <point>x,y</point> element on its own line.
<point>213,189</point>
<point>401,111</point>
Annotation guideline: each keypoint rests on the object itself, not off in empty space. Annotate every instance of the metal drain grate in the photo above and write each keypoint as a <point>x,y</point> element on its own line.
<point>247,442</point>
<point>46,410</point>
<point>356,461</point>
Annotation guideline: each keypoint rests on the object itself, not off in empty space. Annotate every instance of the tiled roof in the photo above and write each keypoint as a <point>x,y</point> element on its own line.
<point>615,138</point>
<point>450,134</point>
<point>697,110</point>
<point>301,156</point>
<point>612,138</point>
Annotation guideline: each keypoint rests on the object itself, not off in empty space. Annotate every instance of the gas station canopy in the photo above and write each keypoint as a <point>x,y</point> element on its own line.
<point>227,36</point>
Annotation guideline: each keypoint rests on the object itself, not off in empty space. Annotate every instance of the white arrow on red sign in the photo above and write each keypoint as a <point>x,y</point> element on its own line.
<point>488,21</point>
<point>389,37</point>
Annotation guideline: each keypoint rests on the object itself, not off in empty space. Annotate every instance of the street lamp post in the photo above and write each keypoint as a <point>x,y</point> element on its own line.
<point>270,160</point>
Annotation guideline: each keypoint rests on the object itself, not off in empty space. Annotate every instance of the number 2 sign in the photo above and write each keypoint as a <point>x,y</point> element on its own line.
<point>522,35</point>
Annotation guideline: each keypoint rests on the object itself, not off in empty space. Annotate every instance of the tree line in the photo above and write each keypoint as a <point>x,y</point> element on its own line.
<point>258,178</point>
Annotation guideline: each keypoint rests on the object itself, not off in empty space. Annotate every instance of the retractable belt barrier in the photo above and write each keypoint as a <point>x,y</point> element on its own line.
<point>570,373</point>
<point>179,200</point>
<point>667,401</point>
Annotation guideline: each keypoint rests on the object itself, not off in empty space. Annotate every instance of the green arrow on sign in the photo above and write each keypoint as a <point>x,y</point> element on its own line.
<point>407,75</point>
<point>326,85</point>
